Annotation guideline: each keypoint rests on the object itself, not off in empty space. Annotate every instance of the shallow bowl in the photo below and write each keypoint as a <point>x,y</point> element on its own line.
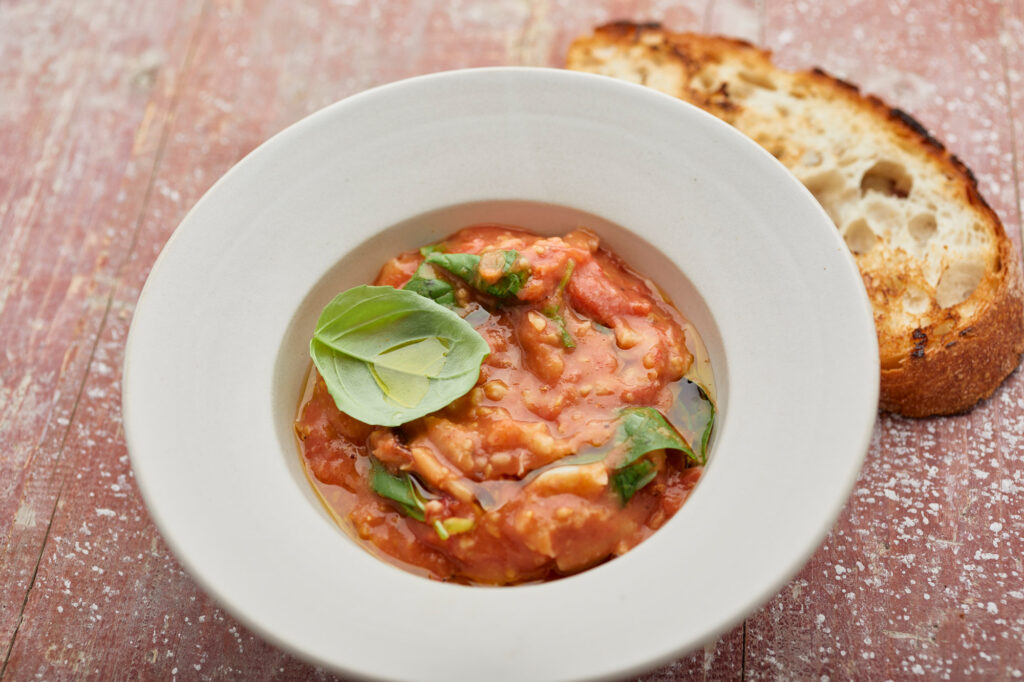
<point>217,355</point>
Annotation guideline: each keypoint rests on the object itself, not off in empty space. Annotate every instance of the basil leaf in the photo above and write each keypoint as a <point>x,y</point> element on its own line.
<point>462,265</point>
<point>389,356</point>
<point>431,248</point>
<point>629,480</point>
<point>694,413</point>
<point>425,284</point>
<point>466,266</point>
<point>645,429</point>
<point>398,489</point>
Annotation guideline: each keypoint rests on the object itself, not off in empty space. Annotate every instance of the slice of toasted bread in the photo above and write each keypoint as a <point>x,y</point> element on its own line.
<point>942,275</point>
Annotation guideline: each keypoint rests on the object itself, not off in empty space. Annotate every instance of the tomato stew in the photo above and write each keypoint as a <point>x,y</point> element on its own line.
<point>561,456</point>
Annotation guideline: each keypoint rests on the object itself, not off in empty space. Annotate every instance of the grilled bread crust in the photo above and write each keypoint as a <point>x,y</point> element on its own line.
<point>943,278</point>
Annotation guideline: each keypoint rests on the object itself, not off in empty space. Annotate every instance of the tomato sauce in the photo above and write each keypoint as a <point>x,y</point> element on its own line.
<point>582,339</point>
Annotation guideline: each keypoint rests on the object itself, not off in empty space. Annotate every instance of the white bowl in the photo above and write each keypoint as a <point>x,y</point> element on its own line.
<point>218,349</point>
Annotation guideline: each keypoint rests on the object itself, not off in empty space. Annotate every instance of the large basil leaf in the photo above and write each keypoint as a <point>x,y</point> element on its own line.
<point>389,356</point>
<point>466,266</point>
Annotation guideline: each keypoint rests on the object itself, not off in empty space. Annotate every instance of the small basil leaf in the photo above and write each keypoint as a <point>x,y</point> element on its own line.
<point>629,480</point>
<point>389,356</point>
<point>644,429</point>
<point>462,265</point>
<point>431,287</point>
<point>431,248</point>
<point>398,489</point>
<point>466,266</point>
<point>694,413</point>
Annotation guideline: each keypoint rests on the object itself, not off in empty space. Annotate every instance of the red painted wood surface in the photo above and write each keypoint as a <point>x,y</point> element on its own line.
<point>115,118</point>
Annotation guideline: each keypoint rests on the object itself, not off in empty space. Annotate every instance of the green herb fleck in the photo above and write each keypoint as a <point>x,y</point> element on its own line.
<point>569,268</point>
<point>552,314</point>
<point>439,528</point>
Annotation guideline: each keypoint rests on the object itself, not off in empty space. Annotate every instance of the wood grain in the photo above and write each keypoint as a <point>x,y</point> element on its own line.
<point>116,117</point>
<point>76,166</point>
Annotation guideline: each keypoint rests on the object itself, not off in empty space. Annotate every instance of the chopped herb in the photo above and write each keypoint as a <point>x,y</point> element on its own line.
<point>425,283</point>
<point>552,314</point>
<point>644,430</point>
<point>569,268</point>
<point>439,528</point>
<point>399,489</point>
<point>431,248</point>
<point>629,480</point>
<point>552,310</point>
<point>466,266</point>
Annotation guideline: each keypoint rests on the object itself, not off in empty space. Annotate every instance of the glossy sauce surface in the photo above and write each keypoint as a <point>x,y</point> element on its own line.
<point>583,338</point>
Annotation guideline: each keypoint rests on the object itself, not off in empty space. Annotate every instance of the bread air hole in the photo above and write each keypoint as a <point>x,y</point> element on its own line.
<point>922,227</point>
<point>859,236</point>
<point>888,178</point>
<point>828,187</point>
<point>958,282</point>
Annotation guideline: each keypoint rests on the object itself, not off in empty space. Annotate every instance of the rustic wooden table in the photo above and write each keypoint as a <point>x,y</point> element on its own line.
<point>116,116</point>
